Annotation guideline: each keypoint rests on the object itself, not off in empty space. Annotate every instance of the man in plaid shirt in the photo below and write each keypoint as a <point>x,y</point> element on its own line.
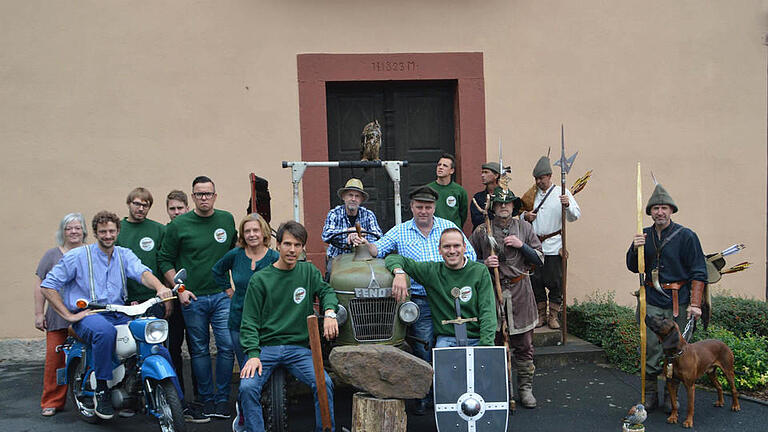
<point>343,218</point>
<point>419,239</point>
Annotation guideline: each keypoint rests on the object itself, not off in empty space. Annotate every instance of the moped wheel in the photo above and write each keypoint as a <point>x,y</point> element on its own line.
<point>83,404</point>
<point>274,402</point>
<point>168,405</point>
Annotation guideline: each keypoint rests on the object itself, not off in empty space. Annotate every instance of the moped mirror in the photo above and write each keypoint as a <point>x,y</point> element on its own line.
<point>180,277</point>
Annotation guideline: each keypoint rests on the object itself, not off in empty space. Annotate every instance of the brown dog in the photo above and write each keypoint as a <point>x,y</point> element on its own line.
<point>689,362</point>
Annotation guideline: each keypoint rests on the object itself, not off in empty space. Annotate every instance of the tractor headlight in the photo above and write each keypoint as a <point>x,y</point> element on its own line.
<point>342,315</point>
<point>156,331</point>
<point>409,312</point>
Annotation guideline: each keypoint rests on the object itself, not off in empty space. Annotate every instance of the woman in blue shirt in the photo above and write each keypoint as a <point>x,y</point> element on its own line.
<point>251,255</point>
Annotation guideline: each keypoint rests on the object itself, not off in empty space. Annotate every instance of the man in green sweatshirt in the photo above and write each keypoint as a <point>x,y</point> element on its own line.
<point>196,240</point>
<point>274,330</point>
<point>143,236</point>
<point>452,203</point>
<point>472,278</point>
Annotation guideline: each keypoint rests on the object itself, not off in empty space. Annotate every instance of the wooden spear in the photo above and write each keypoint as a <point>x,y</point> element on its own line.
<point>641,273</point>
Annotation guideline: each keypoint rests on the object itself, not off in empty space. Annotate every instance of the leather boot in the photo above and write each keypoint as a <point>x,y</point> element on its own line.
<point>525,371</point>
<point>651,392</point>
<point>553,321</point>
<point>542,306</point>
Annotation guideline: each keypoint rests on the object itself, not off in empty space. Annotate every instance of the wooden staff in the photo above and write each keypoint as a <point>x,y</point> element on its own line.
<point>641,273</point>
<point>317,362</point>
<point>499,298</point>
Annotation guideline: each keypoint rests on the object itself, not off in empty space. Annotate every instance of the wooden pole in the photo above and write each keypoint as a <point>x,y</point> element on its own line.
<point>317,362</point>
<point>641,272</point>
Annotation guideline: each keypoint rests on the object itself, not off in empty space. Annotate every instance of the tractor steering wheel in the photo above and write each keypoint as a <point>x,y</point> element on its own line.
<point>347,246</point>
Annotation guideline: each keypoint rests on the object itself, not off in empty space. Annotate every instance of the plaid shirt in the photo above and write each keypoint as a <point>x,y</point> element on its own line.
<point>337,221</point>
<point>406,240</point>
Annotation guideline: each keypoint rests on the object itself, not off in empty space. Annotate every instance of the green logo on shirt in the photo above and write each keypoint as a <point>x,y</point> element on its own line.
<point>299,294</point>
<point>146,244</point>
<point>220,235</point>
<point>451,201</point>
<point>465,294</point>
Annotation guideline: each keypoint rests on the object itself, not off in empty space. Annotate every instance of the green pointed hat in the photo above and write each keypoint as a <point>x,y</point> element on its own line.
<point>660,196</point>
<point>501,195</point>
<point>542,167</point>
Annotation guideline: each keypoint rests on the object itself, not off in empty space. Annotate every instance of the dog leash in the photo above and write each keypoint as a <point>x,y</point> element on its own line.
<point>689,329</point>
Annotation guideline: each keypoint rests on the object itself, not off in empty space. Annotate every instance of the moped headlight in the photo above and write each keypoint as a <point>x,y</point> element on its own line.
<point>156,331</point>
<point>342,315</point>
<point>409,312</point>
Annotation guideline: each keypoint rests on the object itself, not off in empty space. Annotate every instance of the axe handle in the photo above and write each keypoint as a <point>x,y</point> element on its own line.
<point>252,178</point>
<point>317,362</point>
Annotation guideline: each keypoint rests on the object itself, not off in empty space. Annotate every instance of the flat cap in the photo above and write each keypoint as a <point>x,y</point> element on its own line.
<point>423,193</point>
<point>493,166</point>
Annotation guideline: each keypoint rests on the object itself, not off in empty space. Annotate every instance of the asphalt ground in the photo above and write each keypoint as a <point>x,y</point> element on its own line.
<point>583,397</point>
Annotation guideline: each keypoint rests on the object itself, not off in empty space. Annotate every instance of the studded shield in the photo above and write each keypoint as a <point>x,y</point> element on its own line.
<point>471,389</point>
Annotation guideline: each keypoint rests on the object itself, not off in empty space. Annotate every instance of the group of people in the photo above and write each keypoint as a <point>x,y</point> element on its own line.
<point>256,298</point>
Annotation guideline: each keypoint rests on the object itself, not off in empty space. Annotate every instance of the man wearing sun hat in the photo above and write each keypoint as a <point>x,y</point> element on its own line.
<point>344,217</point>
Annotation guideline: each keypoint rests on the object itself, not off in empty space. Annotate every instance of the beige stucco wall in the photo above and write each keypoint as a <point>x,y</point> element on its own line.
<point>103,96</point>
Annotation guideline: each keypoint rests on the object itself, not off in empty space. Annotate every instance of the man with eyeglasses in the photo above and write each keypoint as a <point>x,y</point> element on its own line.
<point>196,240</point>
<point>143,237</point>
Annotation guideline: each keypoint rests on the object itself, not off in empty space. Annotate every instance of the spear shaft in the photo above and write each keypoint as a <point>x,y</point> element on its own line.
<point>641,273</point>
<point>564,250</point>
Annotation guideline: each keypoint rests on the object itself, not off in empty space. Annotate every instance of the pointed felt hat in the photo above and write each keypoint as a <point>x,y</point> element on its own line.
<point>543,167</point>
<point>660,196</point>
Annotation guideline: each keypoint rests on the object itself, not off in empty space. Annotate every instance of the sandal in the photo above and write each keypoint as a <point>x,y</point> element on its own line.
<point>48,412</point>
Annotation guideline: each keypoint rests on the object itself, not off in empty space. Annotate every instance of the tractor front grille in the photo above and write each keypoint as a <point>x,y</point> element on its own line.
<point>373,319</point>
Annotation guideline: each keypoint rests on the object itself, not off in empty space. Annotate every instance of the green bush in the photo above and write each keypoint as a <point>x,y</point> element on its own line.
<point>751,357</point>
<point>741,316</point>
<point>741,324</point>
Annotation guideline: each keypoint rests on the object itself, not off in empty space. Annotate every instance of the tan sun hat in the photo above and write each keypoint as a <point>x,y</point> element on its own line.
<point>355,185</point>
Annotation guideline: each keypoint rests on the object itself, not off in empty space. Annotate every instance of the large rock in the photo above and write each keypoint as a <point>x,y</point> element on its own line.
<point>382,370</point>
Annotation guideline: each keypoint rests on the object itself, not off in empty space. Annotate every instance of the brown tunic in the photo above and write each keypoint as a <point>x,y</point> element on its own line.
<point>518,297</point>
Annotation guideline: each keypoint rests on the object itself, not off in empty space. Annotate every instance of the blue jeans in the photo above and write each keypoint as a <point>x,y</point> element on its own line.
<point>239,353</point>
<point>98,330</point>
<point>298,361</point>
<point>210,310</point>
<point>450,341</point>
<point>422,329</point>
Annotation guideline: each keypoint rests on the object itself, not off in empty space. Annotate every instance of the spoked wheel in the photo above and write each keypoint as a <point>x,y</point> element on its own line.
<point>274,402</point>
<point>168,405</point>
<point>83,404</point>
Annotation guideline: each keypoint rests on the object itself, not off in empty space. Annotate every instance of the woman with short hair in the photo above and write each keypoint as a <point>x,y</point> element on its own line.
<point>71,234</point>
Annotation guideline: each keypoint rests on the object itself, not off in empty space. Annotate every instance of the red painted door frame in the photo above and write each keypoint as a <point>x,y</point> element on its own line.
<point>314,70</point>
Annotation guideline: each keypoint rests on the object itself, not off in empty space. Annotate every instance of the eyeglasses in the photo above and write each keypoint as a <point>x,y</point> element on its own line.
<point>201,195</point>
<point>73,228</point>
<point>139,204</point>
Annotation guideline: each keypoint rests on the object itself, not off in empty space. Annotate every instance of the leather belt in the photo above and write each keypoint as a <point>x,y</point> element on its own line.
<point>674,287</point>
<point>546,236</point>
<point>514,280</point>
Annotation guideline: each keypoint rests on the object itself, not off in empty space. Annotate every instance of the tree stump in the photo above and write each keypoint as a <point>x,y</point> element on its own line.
<point>371,414</point>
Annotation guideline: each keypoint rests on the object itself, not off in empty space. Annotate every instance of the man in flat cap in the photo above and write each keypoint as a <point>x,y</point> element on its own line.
<point>343,217</point>
<point>675,278</point>
<point>419,240</point>
<point>489,175</point>
<point>546,220</point>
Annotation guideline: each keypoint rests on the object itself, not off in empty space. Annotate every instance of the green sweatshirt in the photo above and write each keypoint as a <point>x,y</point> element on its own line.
<point>452,202</point>
<point>477,298</point>
<point>196,244</point>
<point>277,304</point>
<point>144,239</point>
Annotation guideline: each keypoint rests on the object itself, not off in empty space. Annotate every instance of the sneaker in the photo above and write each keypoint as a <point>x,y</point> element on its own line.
<point>222,410</point>
<point>209,409</point>
<point>238,424</point>
<point>102,401</point>
<point>193,415</point>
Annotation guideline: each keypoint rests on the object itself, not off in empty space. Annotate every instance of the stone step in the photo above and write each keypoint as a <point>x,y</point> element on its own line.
<point>545,336</point>
<point>576,350</point>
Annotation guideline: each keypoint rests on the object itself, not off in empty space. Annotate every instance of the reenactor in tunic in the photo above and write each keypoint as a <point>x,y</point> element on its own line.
<point>516,250</point>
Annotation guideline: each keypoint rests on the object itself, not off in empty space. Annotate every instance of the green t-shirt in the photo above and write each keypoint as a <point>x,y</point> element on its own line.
<point>277,304</point>
<point>477,298</point>
<point>145,239</point>
<point>196,243</point>
<point>452,202</point>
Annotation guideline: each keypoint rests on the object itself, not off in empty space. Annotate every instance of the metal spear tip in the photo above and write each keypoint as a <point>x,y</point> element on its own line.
<point>566,163</point>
